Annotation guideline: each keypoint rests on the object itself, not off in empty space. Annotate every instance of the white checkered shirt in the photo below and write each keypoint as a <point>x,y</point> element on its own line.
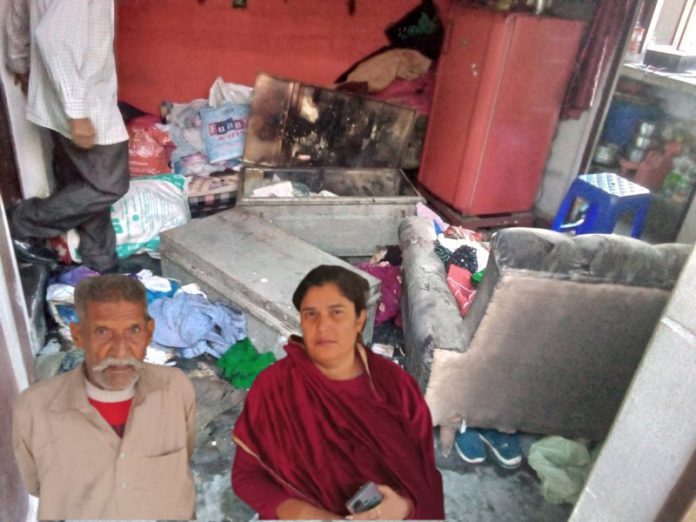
<point>70,57</point>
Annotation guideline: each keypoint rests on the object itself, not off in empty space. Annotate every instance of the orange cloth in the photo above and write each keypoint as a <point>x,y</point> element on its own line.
<point>381,70</point>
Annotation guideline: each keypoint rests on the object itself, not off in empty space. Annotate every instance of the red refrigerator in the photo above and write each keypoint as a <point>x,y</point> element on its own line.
<point>500,83</point>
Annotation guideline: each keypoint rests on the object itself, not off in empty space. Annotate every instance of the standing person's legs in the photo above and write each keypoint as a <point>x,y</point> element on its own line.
<point>90,181</point>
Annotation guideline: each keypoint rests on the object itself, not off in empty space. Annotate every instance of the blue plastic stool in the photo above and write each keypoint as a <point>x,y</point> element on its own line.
<point>608,196</point>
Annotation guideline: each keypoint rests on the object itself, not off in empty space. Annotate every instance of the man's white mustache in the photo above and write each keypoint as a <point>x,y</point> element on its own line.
<point>114,361</point>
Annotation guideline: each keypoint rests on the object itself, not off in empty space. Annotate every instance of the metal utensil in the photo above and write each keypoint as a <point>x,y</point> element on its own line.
<point>646,128</point>
<point>642,142</point>
<point>605,154</point>
<point>635,154</point>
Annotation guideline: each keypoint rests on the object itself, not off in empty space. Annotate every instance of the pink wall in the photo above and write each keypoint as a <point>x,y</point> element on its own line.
<point>174,49</point>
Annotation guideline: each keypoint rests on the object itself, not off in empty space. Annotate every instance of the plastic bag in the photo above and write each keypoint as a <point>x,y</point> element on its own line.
<point>224,131</point>
<point>185,128</point>
<point>60,299</point>
<point>149,146</point>
<point>221,93</point>
<point>152,205</point>
<point>563,466</point>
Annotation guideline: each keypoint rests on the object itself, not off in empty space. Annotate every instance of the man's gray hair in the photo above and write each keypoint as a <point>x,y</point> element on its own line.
<point>108,289</point>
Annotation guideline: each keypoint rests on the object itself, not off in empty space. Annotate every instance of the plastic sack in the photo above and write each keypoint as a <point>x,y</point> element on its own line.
<point>60,299</point>
<point>185,126</point>
<point>149,146</point>
<point>221,93</point>
<point>563,466</point>
<point>224,131</point>
<point>152,205</point>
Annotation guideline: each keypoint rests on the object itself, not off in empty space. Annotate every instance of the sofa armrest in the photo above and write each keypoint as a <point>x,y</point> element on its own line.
<point>429,310</point>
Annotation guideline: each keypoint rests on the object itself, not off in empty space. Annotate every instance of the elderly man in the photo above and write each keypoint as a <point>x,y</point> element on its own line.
<point>111,439</point>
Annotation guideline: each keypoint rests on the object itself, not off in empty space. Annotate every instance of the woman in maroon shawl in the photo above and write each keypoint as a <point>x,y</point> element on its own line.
<point>331,416</point>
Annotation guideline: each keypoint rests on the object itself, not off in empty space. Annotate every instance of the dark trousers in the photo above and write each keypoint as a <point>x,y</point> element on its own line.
<point>88,183</point>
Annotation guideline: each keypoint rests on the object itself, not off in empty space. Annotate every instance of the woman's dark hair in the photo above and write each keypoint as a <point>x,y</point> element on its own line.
<point>352,286</point>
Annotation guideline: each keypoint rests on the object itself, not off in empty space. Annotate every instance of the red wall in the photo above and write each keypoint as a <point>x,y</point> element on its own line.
<point>174,49</point>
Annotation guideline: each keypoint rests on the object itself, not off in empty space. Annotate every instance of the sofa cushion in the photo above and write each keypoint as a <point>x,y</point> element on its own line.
<point>558,326</point>
<point>549,356</point>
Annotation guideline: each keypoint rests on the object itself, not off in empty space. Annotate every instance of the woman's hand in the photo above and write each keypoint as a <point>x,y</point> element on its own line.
<point>392,507</point>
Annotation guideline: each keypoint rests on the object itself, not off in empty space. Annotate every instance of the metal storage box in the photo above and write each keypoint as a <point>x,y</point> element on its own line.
<point>301,125</point>
<point>365,213</point>
<point>324,140</point>
<point>254,266</point>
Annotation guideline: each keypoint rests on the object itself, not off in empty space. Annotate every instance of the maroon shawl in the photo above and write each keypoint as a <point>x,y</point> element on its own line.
<point>321,446</point>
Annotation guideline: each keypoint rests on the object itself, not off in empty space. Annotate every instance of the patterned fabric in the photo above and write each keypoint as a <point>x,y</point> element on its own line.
<point>202,206</point>
<point>208,195</point>
<point>442,252</point>
<point>464,257</point>
<point>69,51</point>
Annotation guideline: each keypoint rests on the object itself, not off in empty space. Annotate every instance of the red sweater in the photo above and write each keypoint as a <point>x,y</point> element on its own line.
<point>115,413</point>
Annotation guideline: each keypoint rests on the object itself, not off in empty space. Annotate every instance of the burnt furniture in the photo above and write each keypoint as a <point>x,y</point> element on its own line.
<point>553,338</point>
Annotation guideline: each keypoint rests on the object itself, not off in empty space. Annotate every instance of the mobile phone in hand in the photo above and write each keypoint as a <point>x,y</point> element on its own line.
<point>367,497</point>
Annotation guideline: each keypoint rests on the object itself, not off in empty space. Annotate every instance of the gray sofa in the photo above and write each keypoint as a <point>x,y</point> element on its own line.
<point>553,338</point>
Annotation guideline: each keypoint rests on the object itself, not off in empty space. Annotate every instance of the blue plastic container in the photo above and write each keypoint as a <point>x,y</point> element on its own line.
<point>623,118</point>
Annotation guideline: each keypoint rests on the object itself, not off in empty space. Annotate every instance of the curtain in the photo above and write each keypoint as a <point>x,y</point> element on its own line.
<point>595,54</point>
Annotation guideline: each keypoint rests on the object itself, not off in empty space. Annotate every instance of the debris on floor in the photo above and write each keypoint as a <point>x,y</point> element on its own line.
<point>563,466</point>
